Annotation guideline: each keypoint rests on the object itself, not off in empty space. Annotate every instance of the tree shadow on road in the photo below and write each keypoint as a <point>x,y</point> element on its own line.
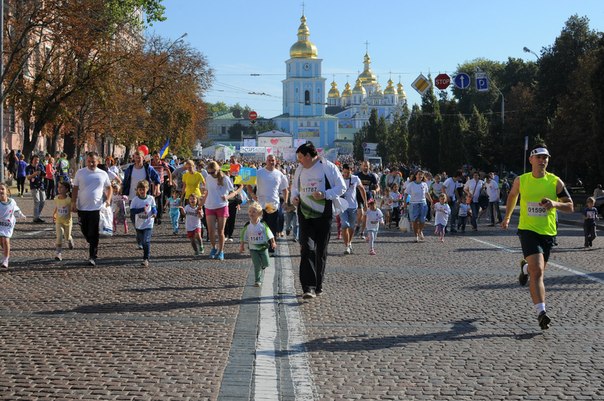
<point>131,307</point>
<point>461,330</point>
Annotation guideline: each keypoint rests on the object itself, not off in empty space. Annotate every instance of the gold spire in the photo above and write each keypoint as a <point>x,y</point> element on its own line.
<point>367,76</point>
<point>303,48</point>
<point>401,91</point>
<point>358,88</point>
<point>347,91</point>
<point>390,88</point>
<point>333,92</point>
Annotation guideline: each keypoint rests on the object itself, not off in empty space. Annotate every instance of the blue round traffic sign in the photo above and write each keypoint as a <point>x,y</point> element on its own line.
<point>462,80</point>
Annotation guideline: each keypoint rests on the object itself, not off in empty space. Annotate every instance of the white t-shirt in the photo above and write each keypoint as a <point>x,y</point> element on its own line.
<point>138,174</point>
<point>351,190</point>
<point>417,192</point>
<point>9,211</point>
<point>269,184</point>
<point>450,186</point>
<point>257,235</point>
<point>492,190</point>
<point>216,192</point>
<point>192,219</point>
<point>143,220</point>
<point>395,197</point>
<point>473,188</point>
<point>442,212</point>
<point>374,218</point>
<point>91,186</point>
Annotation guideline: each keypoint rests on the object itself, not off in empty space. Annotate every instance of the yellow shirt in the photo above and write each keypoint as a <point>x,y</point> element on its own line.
<point>192,183</point>
<point>534,217</point>
<point>63,210</point>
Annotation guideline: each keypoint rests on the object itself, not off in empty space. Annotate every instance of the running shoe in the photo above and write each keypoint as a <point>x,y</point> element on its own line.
<point>257,283</point>
<point>220,256</point>
<point>421,236</point>
<point>92,262</point>
<point>59,257</point>
<point>347,251</point>
<point>309,294</point>
<point>522,278</point>
<point>213,253</point>
<point>145,263</point>
<point>544,321</point>
<point>372,252</point>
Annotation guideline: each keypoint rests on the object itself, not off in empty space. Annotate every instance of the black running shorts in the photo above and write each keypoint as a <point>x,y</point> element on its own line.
<point>533,243</point>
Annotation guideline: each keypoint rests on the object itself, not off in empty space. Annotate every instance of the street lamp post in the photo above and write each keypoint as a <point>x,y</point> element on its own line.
<point>527,50</point>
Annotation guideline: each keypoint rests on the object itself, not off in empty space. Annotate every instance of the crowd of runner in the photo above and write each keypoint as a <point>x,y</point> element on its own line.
<point>297,201</point>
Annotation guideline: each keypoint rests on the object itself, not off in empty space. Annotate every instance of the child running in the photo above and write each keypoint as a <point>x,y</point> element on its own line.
<point>463,213</point>
<point>9,211</point>
<point>374,218</point>
<point>590,215</point>
<point>62,217</point>
<point>144,210</point>
<point>441,216</point>
<point>194,213</point>
<point>174,203</point>
<point>118,207</point>
<point>258,236</point>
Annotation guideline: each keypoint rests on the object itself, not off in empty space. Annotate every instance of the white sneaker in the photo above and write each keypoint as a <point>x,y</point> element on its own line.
<point>417,238</point>
<point>145,263</point>
<point>91,262</point>
<point>347,251</point>
<point>59,257</point>
<point>230,239</point>
<point>421,235</point>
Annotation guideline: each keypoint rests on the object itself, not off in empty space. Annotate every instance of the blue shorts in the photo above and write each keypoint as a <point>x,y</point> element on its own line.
<point>348,218</point>
<point>417,212</point>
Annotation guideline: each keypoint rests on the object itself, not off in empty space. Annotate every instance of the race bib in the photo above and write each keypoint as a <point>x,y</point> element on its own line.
<point>140,219</point>
<point>64,211</point>
<point>533,209</point>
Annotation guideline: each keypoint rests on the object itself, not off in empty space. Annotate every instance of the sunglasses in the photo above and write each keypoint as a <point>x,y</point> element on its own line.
<point>211,172</point>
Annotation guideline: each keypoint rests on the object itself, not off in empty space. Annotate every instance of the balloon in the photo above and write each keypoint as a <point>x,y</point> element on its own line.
<point>144,149</point>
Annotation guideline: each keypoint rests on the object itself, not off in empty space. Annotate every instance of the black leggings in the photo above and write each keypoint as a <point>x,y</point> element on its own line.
<point>89,222</point>
<point>21,185</point>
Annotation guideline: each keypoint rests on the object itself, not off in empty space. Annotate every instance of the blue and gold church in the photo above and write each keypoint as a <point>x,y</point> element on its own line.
<point>304,113</point>
<point>307,116</point>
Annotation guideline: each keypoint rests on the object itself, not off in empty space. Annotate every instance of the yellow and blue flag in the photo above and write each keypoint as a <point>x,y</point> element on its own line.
<point>247,176</point>
<point>164,151</point>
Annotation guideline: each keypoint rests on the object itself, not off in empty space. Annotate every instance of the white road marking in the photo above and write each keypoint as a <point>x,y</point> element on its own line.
<point>265,369</point>
<point>266,383</point>
<point>549,263</point>
<point>38,232</point>
<point>298,362</point>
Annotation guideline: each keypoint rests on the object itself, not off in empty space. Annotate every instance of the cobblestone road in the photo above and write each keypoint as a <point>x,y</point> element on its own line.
<point>426,321</point>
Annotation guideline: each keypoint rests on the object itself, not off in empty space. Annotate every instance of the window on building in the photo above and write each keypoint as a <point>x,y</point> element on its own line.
<point>307,98</point>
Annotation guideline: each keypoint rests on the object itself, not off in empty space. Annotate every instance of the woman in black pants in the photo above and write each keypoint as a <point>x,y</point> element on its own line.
<point>229,227</point>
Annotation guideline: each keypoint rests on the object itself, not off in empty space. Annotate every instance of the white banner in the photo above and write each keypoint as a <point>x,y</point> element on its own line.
<point>249,142</point>
<point>252,149</point>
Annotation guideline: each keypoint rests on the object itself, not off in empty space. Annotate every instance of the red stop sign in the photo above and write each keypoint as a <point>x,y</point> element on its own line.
<point>442,81</point>
<point>253,115</point>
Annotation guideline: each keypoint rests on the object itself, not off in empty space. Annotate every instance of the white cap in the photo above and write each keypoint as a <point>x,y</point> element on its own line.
<point>540,151</point>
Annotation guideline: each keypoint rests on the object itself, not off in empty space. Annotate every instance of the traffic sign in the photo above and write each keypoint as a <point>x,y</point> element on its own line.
<point>462,80</point>
<point>442,81</point>
<point>421,84</point>
<point>482,82</point>
<point>253,115</point>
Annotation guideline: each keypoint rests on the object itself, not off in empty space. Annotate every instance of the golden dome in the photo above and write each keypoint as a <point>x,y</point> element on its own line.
<point>390,88</point>
<point>303,48</point>
<point>358,88</point>
<point>367,76</point>
<point>347,91</point>
<point>401,91</point>
<point>333,92</point>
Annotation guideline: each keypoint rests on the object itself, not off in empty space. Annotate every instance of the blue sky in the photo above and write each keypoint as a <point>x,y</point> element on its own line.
<point>405,38</point>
